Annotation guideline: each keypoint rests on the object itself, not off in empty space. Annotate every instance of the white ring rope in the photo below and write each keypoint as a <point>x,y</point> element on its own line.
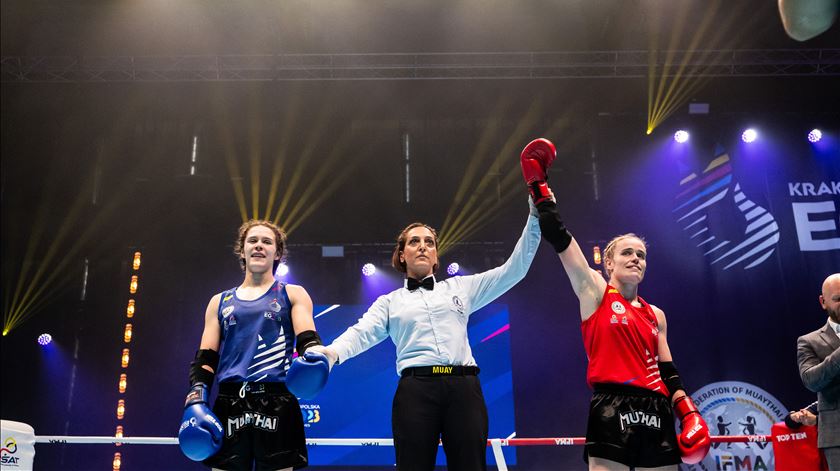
<point>495,443</point>
<point>550,441</point>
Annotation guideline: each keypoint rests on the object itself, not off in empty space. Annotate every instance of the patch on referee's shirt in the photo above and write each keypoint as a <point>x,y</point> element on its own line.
<point>638,417</point>
<point>457,304</point>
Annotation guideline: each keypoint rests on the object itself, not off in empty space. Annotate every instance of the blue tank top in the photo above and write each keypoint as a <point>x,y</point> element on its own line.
<point>257,336</point>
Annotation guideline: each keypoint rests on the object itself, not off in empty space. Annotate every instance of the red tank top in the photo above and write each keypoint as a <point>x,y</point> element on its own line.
<point>621,342</point>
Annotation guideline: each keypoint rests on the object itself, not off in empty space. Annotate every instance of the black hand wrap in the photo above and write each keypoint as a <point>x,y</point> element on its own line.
<point>307,339</point>
<point>552,227</point>
<point>201,375</point>
<point>670,376</point>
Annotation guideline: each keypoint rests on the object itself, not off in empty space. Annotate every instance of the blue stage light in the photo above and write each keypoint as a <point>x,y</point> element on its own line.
<point>681,136</point>
<point>749,135</point>
<point>453,268</point>
<point>815,135</point>
<point>368,269</point>
<point>44,339</point>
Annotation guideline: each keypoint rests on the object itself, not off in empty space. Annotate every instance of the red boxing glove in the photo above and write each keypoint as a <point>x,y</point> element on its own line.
<point>694,441</point>
<point>535,160</point>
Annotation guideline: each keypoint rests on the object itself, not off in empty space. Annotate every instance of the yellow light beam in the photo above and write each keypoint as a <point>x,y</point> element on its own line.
<point>509,188</point>
<point>330,186</point>
<point>324,178</point>
<point>50,278</point>
<point>255,145</point>
<point>288,122</point>
<point>508,154</point>
<point>15,311</point>
<point>510,185</point>
<point>676,30</point>
<point>687,56</point>
<point>223,131</point>
<point>310,145</point>
<point>52,273</point>
<point>474,164</point>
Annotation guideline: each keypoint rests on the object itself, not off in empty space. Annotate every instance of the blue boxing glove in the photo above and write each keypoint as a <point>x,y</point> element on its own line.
<point>308,375</point>
<point>201,434</point>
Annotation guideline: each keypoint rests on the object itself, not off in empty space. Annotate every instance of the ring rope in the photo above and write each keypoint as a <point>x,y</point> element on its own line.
<point>549,441</point>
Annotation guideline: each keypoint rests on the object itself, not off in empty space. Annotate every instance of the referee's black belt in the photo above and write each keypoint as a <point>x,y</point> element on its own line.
<point>443,370</point>
<point>233,388</point>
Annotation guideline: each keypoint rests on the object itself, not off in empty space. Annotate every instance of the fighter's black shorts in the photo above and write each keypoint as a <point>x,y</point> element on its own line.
<point>631,425</point>
<point>264,427</point>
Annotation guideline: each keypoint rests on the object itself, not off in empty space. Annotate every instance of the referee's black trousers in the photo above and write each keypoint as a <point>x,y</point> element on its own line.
<point>446,408</point>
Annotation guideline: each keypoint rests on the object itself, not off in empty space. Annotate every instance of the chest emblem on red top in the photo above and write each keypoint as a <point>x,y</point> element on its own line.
<point>617,307</point>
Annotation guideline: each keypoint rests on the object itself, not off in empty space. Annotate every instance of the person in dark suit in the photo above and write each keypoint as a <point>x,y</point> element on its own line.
<point>819,367</point>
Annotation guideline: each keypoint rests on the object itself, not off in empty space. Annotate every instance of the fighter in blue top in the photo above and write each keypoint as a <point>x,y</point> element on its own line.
<point>247,344</point>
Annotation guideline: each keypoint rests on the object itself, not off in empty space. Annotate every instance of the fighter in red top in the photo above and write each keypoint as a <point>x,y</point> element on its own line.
<point>630,366</point>
<point>616,328</point>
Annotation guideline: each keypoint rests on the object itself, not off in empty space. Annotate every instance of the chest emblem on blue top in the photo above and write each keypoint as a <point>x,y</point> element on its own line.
<point>458,304</point>
<point>275,306</point>
<point>271,315</point>
<point>227,311</point>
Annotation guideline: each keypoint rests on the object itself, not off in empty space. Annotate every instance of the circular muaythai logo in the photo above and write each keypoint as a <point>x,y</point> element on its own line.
<point>736,408</point>
<point>617,307</point>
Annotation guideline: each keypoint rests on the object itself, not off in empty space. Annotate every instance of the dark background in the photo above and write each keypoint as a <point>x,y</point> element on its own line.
<point>129,144</point>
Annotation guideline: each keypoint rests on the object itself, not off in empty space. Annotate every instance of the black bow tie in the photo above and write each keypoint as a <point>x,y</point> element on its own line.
<point>428,283</point>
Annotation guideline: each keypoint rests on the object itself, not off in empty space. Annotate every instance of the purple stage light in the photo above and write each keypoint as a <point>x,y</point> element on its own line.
<point>282,269</point>
<point>749,135</point>
<point>368,269</point>
<point>681,136</point>
<point>453,268</point>
<point>815,135</point>
<point>44,339</point>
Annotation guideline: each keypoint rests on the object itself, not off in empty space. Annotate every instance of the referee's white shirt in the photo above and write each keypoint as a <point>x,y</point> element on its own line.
<point>429,327</point>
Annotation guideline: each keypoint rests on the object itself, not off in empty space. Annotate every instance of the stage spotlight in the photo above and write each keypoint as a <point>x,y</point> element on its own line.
<point>44,339</point>
<point>815,135</point>
<point>132,287</point>
<point>681,136</point>
<point>368,269</point>
<point>749,135</point>
<point>453,268</point>
<point>282,269</point>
